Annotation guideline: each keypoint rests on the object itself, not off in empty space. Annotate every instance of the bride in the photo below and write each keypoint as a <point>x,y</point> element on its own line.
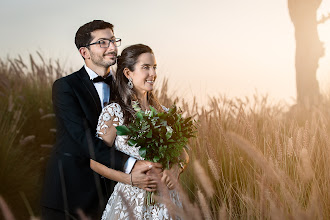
<point>135,77</point>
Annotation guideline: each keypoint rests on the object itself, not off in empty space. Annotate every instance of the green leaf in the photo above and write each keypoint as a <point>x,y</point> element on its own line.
<point>149,135</point>
<point>143,152</point>
<point>172,110</point>
<point>123,130</point>
<point>153,110</point>
<point>139,115</point>
<point>164,123</point>
<point>131,142</point>
<point>156,159</point>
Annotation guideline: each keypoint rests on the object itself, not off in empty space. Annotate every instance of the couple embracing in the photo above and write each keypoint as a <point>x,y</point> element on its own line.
<point>88,157</point>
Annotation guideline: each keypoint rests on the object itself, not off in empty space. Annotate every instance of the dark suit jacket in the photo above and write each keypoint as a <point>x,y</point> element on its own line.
<point>70,183</point>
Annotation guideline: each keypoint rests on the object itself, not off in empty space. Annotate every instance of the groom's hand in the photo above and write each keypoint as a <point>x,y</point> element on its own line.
<point>146,175</point>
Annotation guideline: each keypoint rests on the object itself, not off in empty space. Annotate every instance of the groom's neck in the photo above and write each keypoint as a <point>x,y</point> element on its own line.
<point>99,70</point>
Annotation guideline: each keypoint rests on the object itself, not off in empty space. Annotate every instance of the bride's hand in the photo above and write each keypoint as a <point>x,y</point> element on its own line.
<point>170,177</point>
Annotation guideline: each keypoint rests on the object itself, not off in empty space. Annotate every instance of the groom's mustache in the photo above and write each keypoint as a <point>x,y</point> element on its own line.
<point>111,53</point>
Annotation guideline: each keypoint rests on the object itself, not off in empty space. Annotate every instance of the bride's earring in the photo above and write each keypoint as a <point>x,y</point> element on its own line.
<point>130,83</point>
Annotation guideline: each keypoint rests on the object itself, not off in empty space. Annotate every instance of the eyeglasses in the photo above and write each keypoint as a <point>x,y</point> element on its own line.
<point>105,43</point>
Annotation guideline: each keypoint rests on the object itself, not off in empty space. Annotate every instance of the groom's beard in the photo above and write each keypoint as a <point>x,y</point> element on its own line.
<point>104,60</point>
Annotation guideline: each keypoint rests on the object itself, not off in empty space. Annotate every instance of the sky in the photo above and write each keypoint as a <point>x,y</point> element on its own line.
<point>204,48</point>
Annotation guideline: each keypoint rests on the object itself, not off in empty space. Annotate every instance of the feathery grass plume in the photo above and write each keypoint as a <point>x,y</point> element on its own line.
<point>262,192</point>
<point>298,145</point>
<point>165,198</point>
<point>290,150</point>
<point>314,210</point>
<point>7,214</point>
<point>214,170</point>
<point>256,155</point>
<point>223,134</point>
<point>279,147</point>
<point>305,136</point>
<point>275,212</point>
<point>175,210</point>
<point>10,103</point>
<point>305,168</point>
<point>82,215</point>
<point>212,154</point>
<point>275,175</point>
<point>312,144</point>
<point>47,116</point>
<point>27,204</point>
<point>204,206</point>
<point>325,136</point>
<point>190,210</point>
<point>251,131</point>
<point>46,145</point>
<point>204,179</point>
<point>223,212</point>
<point>27,139</point>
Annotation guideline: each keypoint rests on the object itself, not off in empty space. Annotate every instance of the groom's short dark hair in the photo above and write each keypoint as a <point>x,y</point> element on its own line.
<point>83,35</point>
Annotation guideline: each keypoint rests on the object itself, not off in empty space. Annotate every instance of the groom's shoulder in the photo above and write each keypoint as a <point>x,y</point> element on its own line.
<point>71,77</point>
<point>69,81</point>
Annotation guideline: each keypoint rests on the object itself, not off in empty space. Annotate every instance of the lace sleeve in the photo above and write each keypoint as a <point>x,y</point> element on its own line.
<point>110,115</point>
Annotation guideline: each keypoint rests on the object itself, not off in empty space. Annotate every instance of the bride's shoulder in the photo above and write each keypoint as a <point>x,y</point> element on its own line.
<point>112,107</point>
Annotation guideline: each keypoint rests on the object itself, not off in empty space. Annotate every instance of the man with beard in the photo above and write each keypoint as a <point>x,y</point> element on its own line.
<point>78,99</point>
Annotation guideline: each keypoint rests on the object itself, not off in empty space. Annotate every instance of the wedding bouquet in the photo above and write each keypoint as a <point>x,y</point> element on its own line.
<point>161,136</point>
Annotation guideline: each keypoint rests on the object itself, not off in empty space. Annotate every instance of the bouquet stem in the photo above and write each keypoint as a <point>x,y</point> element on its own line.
<point>150,199</point>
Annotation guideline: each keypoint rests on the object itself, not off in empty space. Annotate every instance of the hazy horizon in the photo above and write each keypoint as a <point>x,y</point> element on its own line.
<point>227,47</point>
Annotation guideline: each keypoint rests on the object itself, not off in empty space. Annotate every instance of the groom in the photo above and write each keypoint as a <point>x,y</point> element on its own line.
<point>78,99</point>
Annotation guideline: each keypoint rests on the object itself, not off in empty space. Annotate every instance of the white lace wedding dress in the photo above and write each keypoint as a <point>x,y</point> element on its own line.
<point>126,201</point>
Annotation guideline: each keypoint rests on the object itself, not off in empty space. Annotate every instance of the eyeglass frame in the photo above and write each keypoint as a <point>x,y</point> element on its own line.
<point>110,41</point>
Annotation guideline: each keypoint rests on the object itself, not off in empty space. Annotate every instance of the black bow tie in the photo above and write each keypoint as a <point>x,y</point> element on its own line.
<point>107,80</point>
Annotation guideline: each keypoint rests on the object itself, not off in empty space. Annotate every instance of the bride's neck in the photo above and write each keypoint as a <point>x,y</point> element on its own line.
<point>143,101</point>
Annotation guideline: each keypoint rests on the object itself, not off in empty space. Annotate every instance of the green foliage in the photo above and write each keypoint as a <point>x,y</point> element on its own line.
<point>161,136</point>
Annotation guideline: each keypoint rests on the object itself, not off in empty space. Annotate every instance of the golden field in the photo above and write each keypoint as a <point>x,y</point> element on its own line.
<point>251,159</point>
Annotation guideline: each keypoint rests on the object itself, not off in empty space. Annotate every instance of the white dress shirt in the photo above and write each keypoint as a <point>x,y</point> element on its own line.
<point>103,90</point>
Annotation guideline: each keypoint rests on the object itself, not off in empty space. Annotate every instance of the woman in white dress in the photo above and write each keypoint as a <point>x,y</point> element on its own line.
<point>135,77</point>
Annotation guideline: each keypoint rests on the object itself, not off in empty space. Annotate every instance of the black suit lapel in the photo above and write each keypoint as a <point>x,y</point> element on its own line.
<point>90,95</point>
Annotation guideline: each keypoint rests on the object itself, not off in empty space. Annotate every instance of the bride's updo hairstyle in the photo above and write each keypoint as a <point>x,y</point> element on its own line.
<point>125,95</point>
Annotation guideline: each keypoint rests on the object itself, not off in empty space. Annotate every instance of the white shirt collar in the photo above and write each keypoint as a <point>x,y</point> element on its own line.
<point>92,75</point>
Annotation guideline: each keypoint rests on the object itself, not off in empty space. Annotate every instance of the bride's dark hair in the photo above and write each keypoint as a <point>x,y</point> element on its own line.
<point>121,92</point>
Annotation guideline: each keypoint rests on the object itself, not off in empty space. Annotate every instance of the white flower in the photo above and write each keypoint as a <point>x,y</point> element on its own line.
<point>169,129</point>
<point>148,112</point>
<point>120,115</point>
<point>138,209</point>
<point>106,117</point>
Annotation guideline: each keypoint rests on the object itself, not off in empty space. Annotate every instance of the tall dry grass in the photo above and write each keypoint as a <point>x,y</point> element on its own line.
<point>27,130</point>
<point>251,159</point>
<point>265,162</point>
